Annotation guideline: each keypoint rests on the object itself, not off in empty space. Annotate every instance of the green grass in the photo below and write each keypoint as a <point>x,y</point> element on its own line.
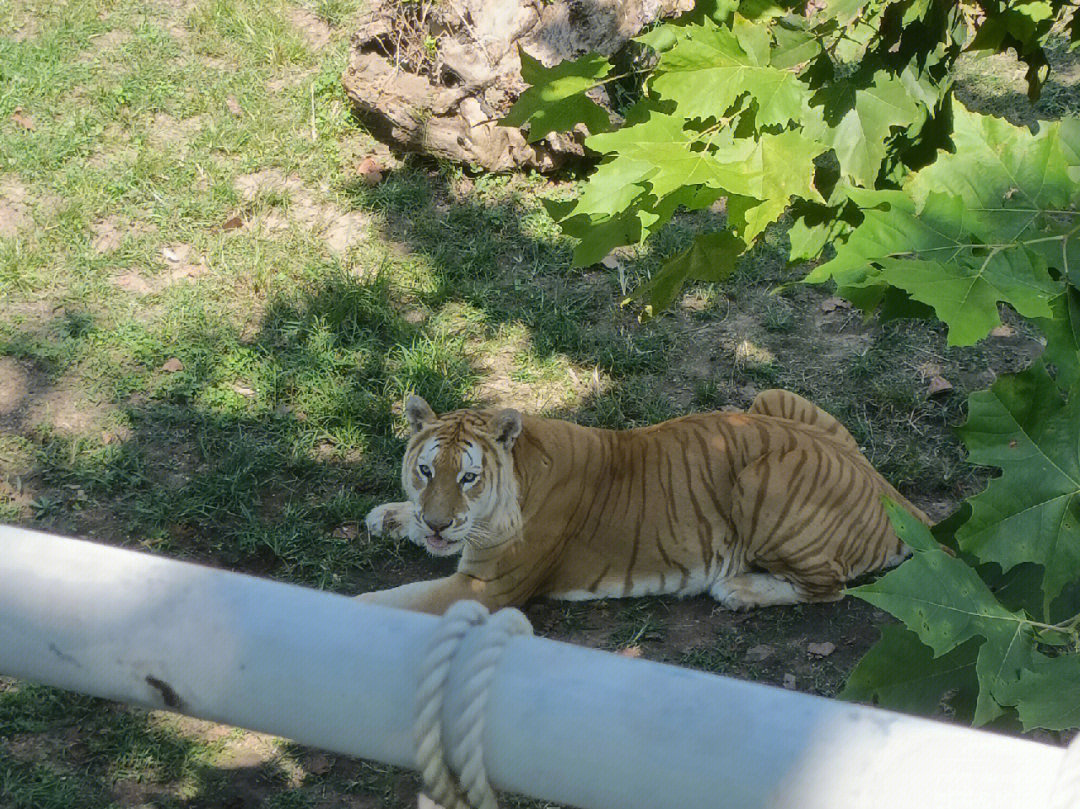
<point>242,406</point>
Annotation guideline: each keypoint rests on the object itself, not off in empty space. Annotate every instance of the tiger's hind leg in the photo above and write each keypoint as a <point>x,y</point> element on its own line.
<point>755,590</point>
<point>814,519</point>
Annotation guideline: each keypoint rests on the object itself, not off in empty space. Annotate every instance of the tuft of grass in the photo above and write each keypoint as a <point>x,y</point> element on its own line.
<point>636,624</point>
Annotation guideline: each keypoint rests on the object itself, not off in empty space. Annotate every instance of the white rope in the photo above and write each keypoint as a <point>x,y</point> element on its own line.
<point>1066,792</point>
<point>469,789</point>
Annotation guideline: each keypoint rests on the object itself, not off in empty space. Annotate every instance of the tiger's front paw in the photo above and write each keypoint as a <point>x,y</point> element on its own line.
<point>390,520</point>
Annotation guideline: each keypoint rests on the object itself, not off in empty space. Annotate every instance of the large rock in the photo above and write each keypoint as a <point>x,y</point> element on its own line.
<point>436,77</point>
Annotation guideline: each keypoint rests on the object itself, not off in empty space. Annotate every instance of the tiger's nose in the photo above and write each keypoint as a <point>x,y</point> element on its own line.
<point>437,525</point>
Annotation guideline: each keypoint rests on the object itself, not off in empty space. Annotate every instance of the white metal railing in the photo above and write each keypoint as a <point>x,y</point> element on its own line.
<point>562,723</point>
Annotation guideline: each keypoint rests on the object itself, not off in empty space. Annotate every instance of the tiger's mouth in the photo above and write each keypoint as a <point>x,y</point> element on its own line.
<point>438,545</point>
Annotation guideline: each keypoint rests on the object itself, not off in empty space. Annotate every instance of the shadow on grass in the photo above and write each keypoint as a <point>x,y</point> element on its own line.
<point>262,452</point>
<point>60,750</point>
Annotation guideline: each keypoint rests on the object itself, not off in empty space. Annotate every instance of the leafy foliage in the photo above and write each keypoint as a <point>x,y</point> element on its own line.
<point>956,627</point>
<point>565,82</point>
<point>766,104</point>
<point>1009,216</point>
<point>839,112</point>
<point>1032,512</point>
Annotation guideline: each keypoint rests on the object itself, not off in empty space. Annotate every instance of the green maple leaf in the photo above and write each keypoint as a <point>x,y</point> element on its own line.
<point>856,123</point>
<point>708,69</point>
<point>844,11</point>
<point>994,163</point>
<point>1021,187</point>
<point>764,179</point>
<point>965,292</point>
<point>598,234</point>
<point>556,100</point>
<point>657,152</point>
<point>901,673</point>
<point>597,238</point>
<point>1048,693</point>
<point>1032,512</point>
<point>938,256</point>
<point>614,186</point>
<point>711,257</point>
<point>794,47</point>
<point>671,153</point>
<point>1063,337</point>
<point>943,601</point>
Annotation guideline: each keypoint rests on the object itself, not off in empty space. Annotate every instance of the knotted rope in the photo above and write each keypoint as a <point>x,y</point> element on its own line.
<point>468,789</point>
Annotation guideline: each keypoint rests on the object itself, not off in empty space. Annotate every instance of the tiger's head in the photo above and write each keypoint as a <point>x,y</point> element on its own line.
<point>459,471</point>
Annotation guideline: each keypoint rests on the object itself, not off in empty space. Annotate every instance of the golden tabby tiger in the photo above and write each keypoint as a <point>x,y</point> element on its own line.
<point>773,506</point>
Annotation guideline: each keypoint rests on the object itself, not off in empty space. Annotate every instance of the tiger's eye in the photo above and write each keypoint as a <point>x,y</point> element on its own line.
<point>425,471</point>
<point>468,477</point>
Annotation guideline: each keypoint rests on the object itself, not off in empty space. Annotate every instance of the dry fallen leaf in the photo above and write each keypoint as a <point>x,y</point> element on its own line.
<point>755,654</point>
<point>938,384</point>
<point>370,171</point>
<point>834,303</point>
<point>610,261</point>
<point>23,120</point>
<point>234,106</point>
<point>630,651</point>
<point>232,223</point>
<point>789,681</point>
<point>172,365</point>
<point>821,649</point>
<point>345,531</point>
<point>1002,331</point>
<point>243,390</point>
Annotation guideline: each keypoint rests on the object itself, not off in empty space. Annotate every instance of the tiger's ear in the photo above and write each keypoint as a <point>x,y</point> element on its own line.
<point>507,426</point>
<point>418,412</point>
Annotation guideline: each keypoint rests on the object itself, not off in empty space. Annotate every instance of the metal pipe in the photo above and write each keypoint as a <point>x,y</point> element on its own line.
<point>564,723</point>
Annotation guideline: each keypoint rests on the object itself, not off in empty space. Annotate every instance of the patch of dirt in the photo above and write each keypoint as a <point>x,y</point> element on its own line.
<point>14,387</point>
<point>315,32</point>
<point>24,29</point>
<point>107,236</point>
<point>699,633</point>
<point>338,229</point>
<point>137,794</point>
<point>14,207</point>
<point>166,131</point>
<point>290,79</point>
<point>171,459</point>
<point>67,408</point>
<point>181,264</point>
<point>29,401</point>
<point>115,149</point>
<point>498,387</point>
<point>201,729</point>
<point>62,748</point>
<point>102,45</point>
